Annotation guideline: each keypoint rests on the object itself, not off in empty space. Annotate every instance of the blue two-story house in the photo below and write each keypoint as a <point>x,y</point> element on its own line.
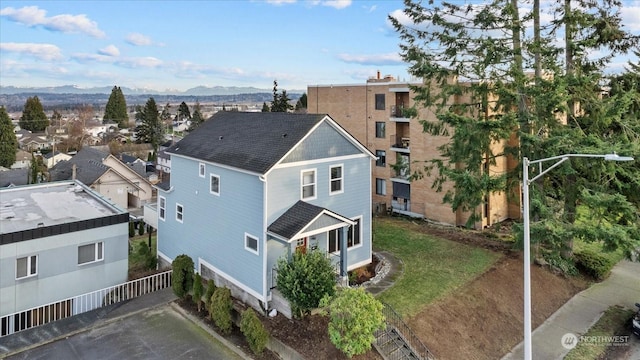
<point>249,188</point>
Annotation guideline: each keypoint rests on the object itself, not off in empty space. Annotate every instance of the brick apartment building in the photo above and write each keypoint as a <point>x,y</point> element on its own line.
<point>374,113</point>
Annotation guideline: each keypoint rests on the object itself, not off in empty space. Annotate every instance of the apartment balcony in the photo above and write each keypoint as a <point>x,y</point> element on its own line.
<point>400,144</point>
<point>399,114</point>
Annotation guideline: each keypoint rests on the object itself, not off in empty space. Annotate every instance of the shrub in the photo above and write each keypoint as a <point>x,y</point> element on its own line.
<point>211,287</point>
<point>593,263</point>
<point>182,278</point>
<point>253,329</point>
<point>141,228</point>
<point>143,248</point>
<point>354,317</point>
<point>132,229</point>
<point>151,262</point>
<point>220,309</point>
<point>305,280</point>
<point>197,290</point>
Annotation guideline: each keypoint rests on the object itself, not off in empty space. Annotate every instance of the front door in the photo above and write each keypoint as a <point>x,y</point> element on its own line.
<point>301,245</point>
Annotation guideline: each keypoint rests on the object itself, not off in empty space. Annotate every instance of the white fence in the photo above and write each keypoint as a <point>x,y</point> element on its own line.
<point>61,309</point>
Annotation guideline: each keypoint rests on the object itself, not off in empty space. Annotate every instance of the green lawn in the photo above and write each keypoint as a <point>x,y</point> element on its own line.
<point>611,323</point>
<point>136,259</point>
<point>433,267</point>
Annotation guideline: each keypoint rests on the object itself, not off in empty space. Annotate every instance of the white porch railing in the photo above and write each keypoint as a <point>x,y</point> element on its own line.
<point>79,304</point>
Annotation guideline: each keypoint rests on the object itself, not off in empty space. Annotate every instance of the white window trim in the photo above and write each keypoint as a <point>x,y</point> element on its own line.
<point>211,190</point>
<point>341,178</point>
<point>180,220</point>
<point>201,170</point>
<point>338,238</point>
<point>160,200</point>
<point>315,184</point>
<point>360,243</point>
<point>96,245</point>
<point>28,267</point>
<point>257,250</point>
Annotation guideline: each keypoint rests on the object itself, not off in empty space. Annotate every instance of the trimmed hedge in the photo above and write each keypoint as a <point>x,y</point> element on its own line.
<point>254,331</point>
<point>593,263</point>
<point>220,309</point>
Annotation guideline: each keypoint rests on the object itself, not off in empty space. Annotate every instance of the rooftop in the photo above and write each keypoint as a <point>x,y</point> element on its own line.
<point>32,206</point>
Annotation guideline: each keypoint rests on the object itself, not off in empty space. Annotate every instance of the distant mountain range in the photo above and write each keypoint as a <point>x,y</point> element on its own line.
<point>196,91</point>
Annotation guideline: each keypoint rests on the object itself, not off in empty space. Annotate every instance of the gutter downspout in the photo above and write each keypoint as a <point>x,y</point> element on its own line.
<point>265,302</point>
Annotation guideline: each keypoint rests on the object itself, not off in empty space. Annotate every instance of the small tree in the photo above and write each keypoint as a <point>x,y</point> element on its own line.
<point>254,331</point>
<point>141,228</point>
<point>182,278</point>
<point>197,290</point>
<point>355,315</point>
<point>211,288</point>
<point>220,309</point>
<point>305,280</point>
<point>132,229</point>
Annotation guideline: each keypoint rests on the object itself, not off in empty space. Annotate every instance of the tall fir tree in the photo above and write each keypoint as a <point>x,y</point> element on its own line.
<point>116,108</point>
<point>197,118</point>
<point>183,112</point>
<point>477,56</point>
<point>150,129</point>
<point>280,101</point>
<point>33,117</point>
<point>8,140</point>
<point>301,104</point>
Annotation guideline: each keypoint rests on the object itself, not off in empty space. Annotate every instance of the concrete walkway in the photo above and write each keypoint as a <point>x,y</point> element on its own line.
<point>391,268</point>
<point>576,316</point>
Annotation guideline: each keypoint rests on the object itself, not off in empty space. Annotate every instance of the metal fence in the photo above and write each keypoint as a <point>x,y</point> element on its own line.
<point>397,327</point>
<point>79,304</point>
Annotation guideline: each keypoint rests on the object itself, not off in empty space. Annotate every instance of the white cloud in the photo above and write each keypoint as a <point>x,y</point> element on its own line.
<point>370,9</point>
<point>138,39</point>
<point>631,17</point>
<point>41,51</point>
<point>338,4</point>
<point>280,2</point>
<point>66,23</point>
<point>110,50</point>
<point>139,62</point>
<point>376,59</point>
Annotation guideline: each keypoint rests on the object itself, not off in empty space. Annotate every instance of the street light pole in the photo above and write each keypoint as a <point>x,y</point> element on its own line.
<point>527,230</point>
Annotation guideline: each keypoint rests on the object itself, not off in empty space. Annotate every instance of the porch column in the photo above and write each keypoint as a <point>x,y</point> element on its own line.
<point>343,255</point>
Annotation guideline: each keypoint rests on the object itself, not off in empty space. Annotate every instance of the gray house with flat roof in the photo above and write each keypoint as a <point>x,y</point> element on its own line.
<point>57,240</point>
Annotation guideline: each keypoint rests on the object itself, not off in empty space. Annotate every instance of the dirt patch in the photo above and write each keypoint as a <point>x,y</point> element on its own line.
<point>484,319</point>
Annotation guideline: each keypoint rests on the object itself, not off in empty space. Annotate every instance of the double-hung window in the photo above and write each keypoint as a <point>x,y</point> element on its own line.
<point>379,101</point>
<point>354,237</point>
<point>214,184</point>
<point>336,181</point>
<point>90,253</point>
<point>381,186</point>
<point>162,207</point>
<point>308,179</point>
<point>179,212</point>
<point>380,129</point>
<point>381,158</point>
<point>26,266</point>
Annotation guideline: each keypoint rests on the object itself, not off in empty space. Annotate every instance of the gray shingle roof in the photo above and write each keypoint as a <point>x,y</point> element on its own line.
<point>295,219</point>
<point>88,163</point>
<point>248,141</point>
<point>14,177</point>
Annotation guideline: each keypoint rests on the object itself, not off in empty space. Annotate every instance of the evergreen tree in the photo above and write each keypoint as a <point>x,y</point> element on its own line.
<point>479,54</point>
<point>301,104</point>
<point>280,101</point>
<point>197,118</point>
<point>8,140</point>
<point>150,129</point>
<point>265,107</point>
<point>33,117</point>
<point>56,118</point>
<point>183,112</point>
<point>116,109</point>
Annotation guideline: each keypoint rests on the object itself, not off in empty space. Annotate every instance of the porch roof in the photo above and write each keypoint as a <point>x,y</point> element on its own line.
<point>304,219</point>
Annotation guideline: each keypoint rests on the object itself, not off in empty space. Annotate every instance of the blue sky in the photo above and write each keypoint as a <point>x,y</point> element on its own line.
<point>182,44</point>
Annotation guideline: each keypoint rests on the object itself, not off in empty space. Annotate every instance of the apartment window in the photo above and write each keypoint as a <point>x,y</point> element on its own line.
<point>308,184</point>
<point>336,179</point>
<point>201,169</point>
<point>90,253</point>
<point>251,243</point>
<point>382,158</point>
<point>179,212</point>
<point>379,101</point>
<point>380,129</point>
<point>26,266</point>
<point>381,186</point>
<point>214,184</point>
<point>162,207</point>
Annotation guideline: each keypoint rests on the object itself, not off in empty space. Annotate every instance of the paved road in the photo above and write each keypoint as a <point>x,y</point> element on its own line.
<point>159,333</point>
<point>576,316</point>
